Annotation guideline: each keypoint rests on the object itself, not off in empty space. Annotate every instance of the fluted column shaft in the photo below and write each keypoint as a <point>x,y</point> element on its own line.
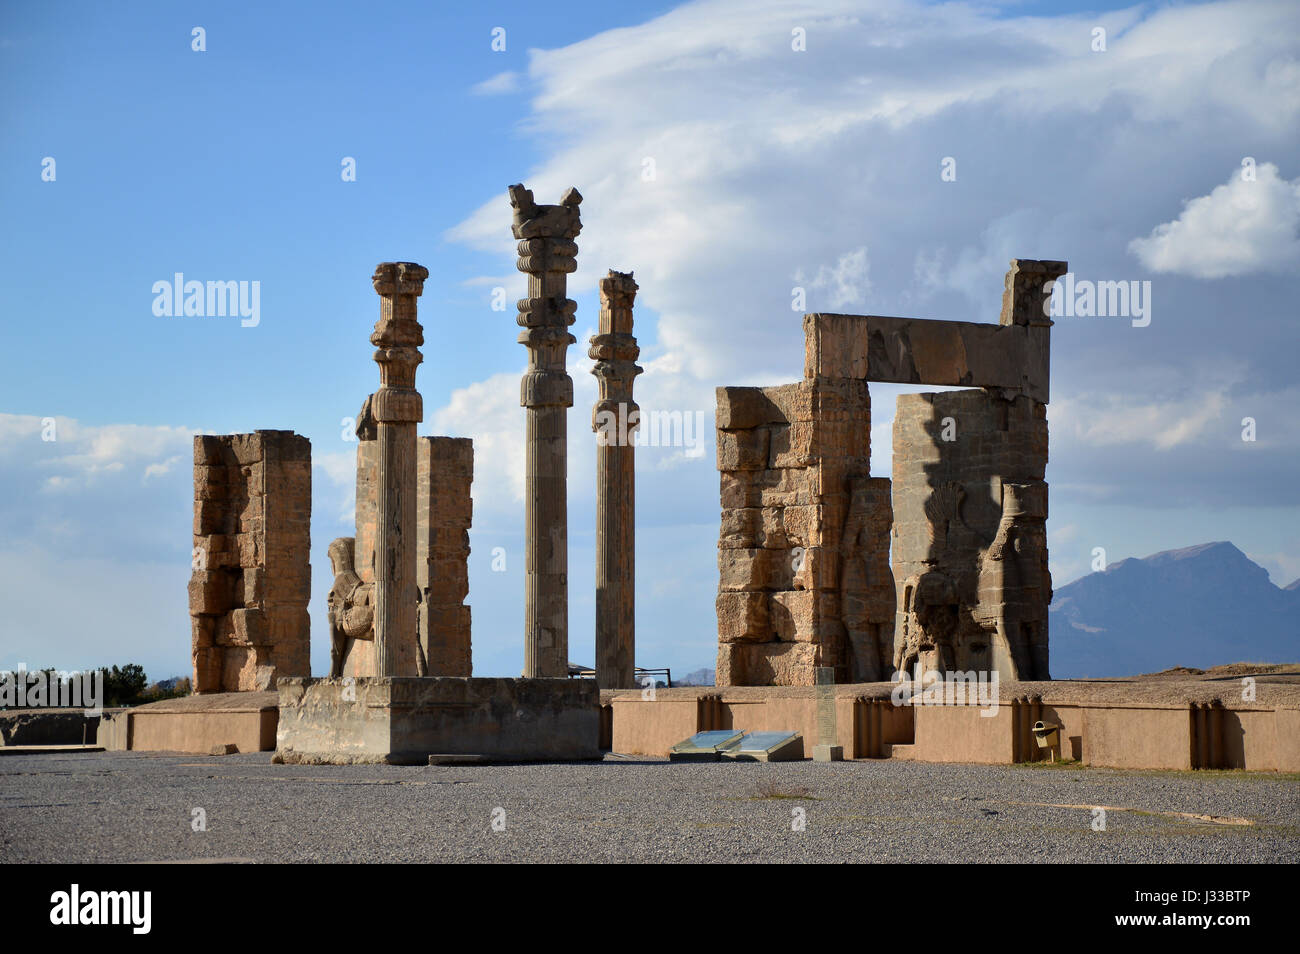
<point>397,409</point>
<point>615,419</point>
<point>547,254</point>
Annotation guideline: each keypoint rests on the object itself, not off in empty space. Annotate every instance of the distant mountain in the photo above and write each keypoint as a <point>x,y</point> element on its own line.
<point>700,677</point>
<point>1201,606</point>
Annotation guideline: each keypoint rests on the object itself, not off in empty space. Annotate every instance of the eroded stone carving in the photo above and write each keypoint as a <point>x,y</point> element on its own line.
<point>969,533</point>
<point>351,604</point>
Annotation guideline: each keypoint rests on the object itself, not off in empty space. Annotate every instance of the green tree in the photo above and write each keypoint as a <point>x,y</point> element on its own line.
<point>124,686</point>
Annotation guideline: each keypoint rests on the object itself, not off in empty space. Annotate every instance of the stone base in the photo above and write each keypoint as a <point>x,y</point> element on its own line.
<point>828,753</point>
<point>414,721</point>
<point>193,724</point>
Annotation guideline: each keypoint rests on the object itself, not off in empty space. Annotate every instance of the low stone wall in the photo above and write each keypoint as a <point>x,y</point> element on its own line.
<point>1125,725</point>
<point>48,727</point>
<point>194,724</point>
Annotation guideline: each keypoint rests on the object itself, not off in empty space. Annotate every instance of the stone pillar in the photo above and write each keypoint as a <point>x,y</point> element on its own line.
<point>251,580</point>
<point>547,253</point>
<point>397,409</point>
<point>615,419</point>
<point>446,509</point>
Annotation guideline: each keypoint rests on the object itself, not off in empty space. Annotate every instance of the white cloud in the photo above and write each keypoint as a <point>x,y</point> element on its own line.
<point>1116,420</point>
<point>766,158</point>
<point>489,412</point>
<point>82,453</point>
<point>1240,228</point>
<point>847,282</point>
<point>339,487</point>
<point>507,82</point>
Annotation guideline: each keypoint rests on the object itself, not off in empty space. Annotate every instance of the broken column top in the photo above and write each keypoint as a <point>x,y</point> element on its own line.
<point>399,278</point>
<point>545,221</point>
<point>617,292</point>
<point>1027,295</point>
<point>397,337</point>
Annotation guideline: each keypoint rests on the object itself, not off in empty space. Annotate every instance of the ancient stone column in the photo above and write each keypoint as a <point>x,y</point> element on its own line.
<point>397,409</point>
<point>547,253</point>
<point>614,419</point>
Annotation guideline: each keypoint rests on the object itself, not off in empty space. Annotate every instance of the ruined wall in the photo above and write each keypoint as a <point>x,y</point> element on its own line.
<point>788,457</point>
<point>803,556</point>
<point>444,512</point>
<point>251,580</point>
<point>969,545</point>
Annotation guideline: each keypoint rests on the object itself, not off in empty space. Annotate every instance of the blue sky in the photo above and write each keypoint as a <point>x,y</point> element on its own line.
<point>774,168</point>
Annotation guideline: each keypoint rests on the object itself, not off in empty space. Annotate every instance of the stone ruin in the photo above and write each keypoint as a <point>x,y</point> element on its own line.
<point>804,552</point>
<point>444,512</point>
<point>251,581</point>
<point>826,572</point>
<point>405,571</point>
<point>400,687</point>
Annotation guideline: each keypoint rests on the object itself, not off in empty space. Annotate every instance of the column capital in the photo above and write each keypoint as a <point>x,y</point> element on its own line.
<point>399,278</point>
<point>531,220</point>
<point>1027,292</point>
<point>614,349</point>
<point>397,338</point>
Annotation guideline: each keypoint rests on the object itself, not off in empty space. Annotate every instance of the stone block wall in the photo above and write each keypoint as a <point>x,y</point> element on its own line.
<point>969,545</point>
<point>444,512</point>
<point>787,457</point>
<point>251,579</point>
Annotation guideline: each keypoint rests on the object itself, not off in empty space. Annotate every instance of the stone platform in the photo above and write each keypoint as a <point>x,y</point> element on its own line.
<point>410,721</point>
<point>193,724</point>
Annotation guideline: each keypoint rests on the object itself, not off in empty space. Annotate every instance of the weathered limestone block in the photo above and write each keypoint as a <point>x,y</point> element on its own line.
<point>744,450</point>
<point>251,581</point>
<point>743,616</point>
<point>746,408</point>
<point>741,528</point>
<point>768,664</point>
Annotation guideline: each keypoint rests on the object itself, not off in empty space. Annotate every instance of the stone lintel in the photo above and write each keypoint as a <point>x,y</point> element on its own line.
<point>1010,357</point>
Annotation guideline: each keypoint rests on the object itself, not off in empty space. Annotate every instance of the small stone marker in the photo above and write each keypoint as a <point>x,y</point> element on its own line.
<point>826,749</point>
<point>228,748</point>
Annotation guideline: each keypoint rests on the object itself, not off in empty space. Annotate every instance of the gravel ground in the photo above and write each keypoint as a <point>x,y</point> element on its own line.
<point>100,807</point>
